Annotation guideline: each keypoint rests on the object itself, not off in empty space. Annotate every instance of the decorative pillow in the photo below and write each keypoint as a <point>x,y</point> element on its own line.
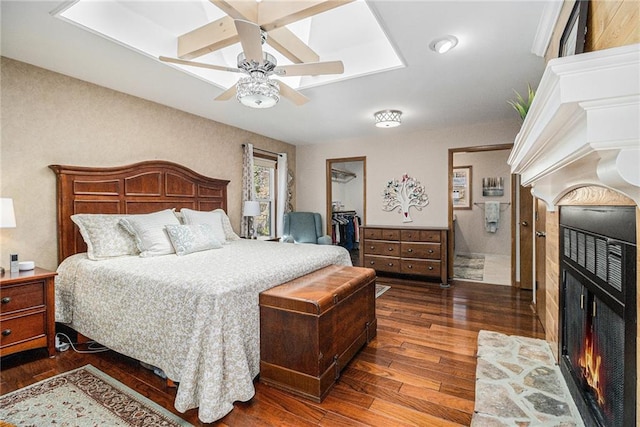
<point>192,238</point>
<point>226,225</point>
<point>213,218</point>
<point>150,233</point>
<point>104,237</point>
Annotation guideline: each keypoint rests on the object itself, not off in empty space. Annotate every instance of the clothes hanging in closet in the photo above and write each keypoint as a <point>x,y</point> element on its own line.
<point>346,231</point>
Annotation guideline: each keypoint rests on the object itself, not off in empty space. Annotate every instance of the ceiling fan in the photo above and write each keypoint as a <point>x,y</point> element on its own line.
<point>256,89</point>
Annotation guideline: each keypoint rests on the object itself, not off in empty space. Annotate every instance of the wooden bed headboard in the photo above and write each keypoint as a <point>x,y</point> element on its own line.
<point>134,189</point>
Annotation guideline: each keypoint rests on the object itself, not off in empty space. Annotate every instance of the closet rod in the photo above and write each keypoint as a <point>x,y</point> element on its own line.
<point>264,151</point>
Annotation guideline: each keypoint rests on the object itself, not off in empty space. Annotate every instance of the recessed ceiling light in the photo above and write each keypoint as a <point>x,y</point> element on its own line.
<point>443,44</point>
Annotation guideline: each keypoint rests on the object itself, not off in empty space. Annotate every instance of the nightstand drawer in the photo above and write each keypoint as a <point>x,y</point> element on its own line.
<point>379,247</point>
<point>22,296</point>
<point>22,328</point>
<point>420,250</point>
<point>380,263</point>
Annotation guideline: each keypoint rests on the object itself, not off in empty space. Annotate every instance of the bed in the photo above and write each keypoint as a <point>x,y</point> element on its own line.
<point>196,316</point>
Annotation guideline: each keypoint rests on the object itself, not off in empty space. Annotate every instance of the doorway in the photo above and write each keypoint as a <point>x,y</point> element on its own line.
<point>346,202</point>
<point>481,225</point>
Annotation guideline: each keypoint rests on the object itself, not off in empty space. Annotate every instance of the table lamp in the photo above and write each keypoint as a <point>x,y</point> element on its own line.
<point>7,217</point>
<point>251,209</point>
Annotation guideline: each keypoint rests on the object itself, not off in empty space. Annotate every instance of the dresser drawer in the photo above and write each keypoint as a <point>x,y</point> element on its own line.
<point>19,297</point>
<point>420,236</point>
<point>418,266</point>
<point>420,250</point>
<point>381,234</point>
<point>22,328</point>
<point>381,247</point>
<point>380,263</point>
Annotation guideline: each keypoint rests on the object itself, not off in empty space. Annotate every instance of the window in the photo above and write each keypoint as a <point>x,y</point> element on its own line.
<point>264,179</point>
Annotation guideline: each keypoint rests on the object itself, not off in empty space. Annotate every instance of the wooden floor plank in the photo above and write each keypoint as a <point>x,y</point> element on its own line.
<point>419,370</point>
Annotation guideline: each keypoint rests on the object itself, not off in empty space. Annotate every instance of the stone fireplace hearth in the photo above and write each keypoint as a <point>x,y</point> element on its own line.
<point>580,146</point>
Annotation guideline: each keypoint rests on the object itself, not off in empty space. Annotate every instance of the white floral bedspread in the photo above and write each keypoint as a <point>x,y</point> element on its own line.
<point>196,316</point>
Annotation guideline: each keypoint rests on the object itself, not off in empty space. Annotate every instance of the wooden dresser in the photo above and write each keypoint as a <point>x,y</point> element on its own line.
<point>417,251</point>
<point>27,311</point>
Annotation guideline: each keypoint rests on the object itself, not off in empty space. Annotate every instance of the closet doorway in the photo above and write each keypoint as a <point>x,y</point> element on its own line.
<point>346,201</point>
<point>481,223</point>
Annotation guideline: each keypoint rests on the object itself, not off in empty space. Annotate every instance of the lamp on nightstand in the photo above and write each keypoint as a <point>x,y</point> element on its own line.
<point>7,217</point>
<point>251,209</point>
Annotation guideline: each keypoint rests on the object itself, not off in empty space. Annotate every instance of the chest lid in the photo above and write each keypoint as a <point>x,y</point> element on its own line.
<point>318,291</point>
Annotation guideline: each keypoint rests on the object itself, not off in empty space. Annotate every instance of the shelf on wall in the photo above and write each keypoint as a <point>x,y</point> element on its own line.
<point>341,176</point>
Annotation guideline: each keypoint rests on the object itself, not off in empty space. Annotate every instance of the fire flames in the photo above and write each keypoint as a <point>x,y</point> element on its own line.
<point>590,364</point>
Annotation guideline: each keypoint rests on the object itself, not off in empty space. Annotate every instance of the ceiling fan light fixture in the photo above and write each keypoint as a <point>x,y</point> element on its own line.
<point>443,44</point>
<point>258,91</point>
<point>388,118</point>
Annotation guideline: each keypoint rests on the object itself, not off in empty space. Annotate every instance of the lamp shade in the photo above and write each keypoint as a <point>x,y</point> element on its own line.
<point>7,215</point>
<point>251,208</point>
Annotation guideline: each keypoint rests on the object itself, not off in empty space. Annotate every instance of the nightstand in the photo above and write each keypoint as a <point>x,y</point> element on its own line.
<point>27,311</point>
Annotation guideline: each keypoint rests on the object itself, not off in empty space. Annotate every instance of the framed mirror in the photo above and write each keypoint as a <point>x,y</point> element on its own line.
<point>346,188</point>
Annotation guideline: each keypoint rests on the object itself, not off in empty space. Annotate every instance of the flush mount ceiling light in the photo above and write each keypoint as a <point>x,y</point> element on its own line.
<point>443,44</point>
<point>388,118</point>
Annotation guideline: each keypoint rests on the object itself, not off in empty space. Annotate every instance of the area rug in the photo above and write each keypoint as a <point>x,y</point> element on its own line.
<point>381,289</point>
<point>83,397</point>
<point>468,266</point>
<point>518,383</point>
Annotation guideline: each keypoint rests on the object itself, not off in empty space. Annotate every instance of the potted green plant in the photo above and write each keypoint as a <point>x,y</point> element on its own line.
<point>520,104</point>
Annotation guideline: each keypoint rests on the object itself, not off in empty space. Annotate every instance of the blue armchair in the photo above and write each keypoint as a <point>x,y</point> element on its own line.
<point>304,227</point>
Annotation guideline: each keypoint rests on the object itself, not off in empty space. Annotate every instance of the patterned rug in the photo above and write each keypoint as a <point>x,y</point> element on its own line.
<point>468,266</point>
<point>518,383</point>
<point>83,397</point>
<point>381,289</point>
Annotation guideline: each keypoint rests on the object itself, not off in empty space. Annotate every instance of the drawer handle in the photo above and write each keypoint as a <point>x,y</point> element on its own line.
<point>410,266</point>
<point>410,250</point>
<point>6,300</point>
<point>390,249</point>
<point>372,262</point>
<point>390,264</point>
<point>372,247</point>
<point>430,251</point>
<point>430,268</point>
<point>6,332</point>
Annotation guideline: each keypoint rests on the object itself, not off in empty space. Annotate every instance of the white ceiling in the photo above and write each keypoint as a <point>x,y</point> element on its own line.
<point>471,83</point>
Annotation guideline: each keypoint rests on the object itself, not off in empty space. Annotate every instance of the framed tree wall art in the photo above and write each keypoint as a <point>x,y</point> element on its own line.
<point>461,180</point>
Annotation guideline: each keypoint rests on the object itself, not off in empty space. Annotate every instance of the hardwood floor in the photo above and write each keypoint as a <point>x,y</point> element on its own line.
<point>420,369</point>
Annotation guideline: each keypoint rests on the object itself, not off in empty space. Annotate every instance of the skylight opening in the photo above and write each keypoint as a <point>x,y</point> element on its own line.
<point>349,33</point>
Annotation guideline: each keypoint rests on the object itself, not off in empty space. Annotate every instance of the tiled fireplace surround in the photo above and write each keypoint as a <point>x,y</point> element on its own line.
<point>580,145</point>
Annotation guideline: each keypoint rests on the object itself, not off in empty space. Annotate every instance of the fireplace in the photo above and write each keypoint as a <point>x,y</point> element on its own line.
<point>598,311</point>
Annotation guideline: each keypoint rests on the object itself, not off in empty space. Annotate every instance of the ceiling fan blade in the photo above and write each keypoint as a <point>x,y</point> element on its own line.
<point>227,94</point>
<point>310,69</point>
<point>251,39</point>
<point>292,94</point>
<point>198,64</point>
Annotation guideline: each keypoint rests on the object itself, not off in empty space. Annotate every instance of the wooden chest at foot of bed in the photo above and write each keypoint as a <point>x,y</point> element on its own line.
<point>312,326</point>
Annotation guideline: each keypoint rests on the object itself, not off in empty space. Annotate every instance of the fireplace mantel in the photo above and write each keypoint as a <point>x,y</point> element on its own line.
<point>583,127</point>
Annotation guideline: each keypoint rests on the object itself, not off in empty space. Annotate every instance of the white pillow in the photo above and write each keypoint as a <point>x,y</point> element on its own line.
<point>149,232</point>
<point>226,224</point>
<point>104,237</point>
<point>192,238</point>
<point>213,218</point>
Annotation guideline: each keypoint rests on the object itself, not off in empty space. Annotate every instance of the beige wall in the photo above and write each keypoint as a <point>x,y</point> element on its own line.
<point>470,234</point>
<point>48,118</point>
<point>422,155</point>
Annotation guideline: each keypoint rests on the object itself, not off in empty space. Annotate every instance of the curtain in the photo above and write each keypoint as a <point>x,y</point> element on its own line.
<point>282,192</point>
<point>247,185</point>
